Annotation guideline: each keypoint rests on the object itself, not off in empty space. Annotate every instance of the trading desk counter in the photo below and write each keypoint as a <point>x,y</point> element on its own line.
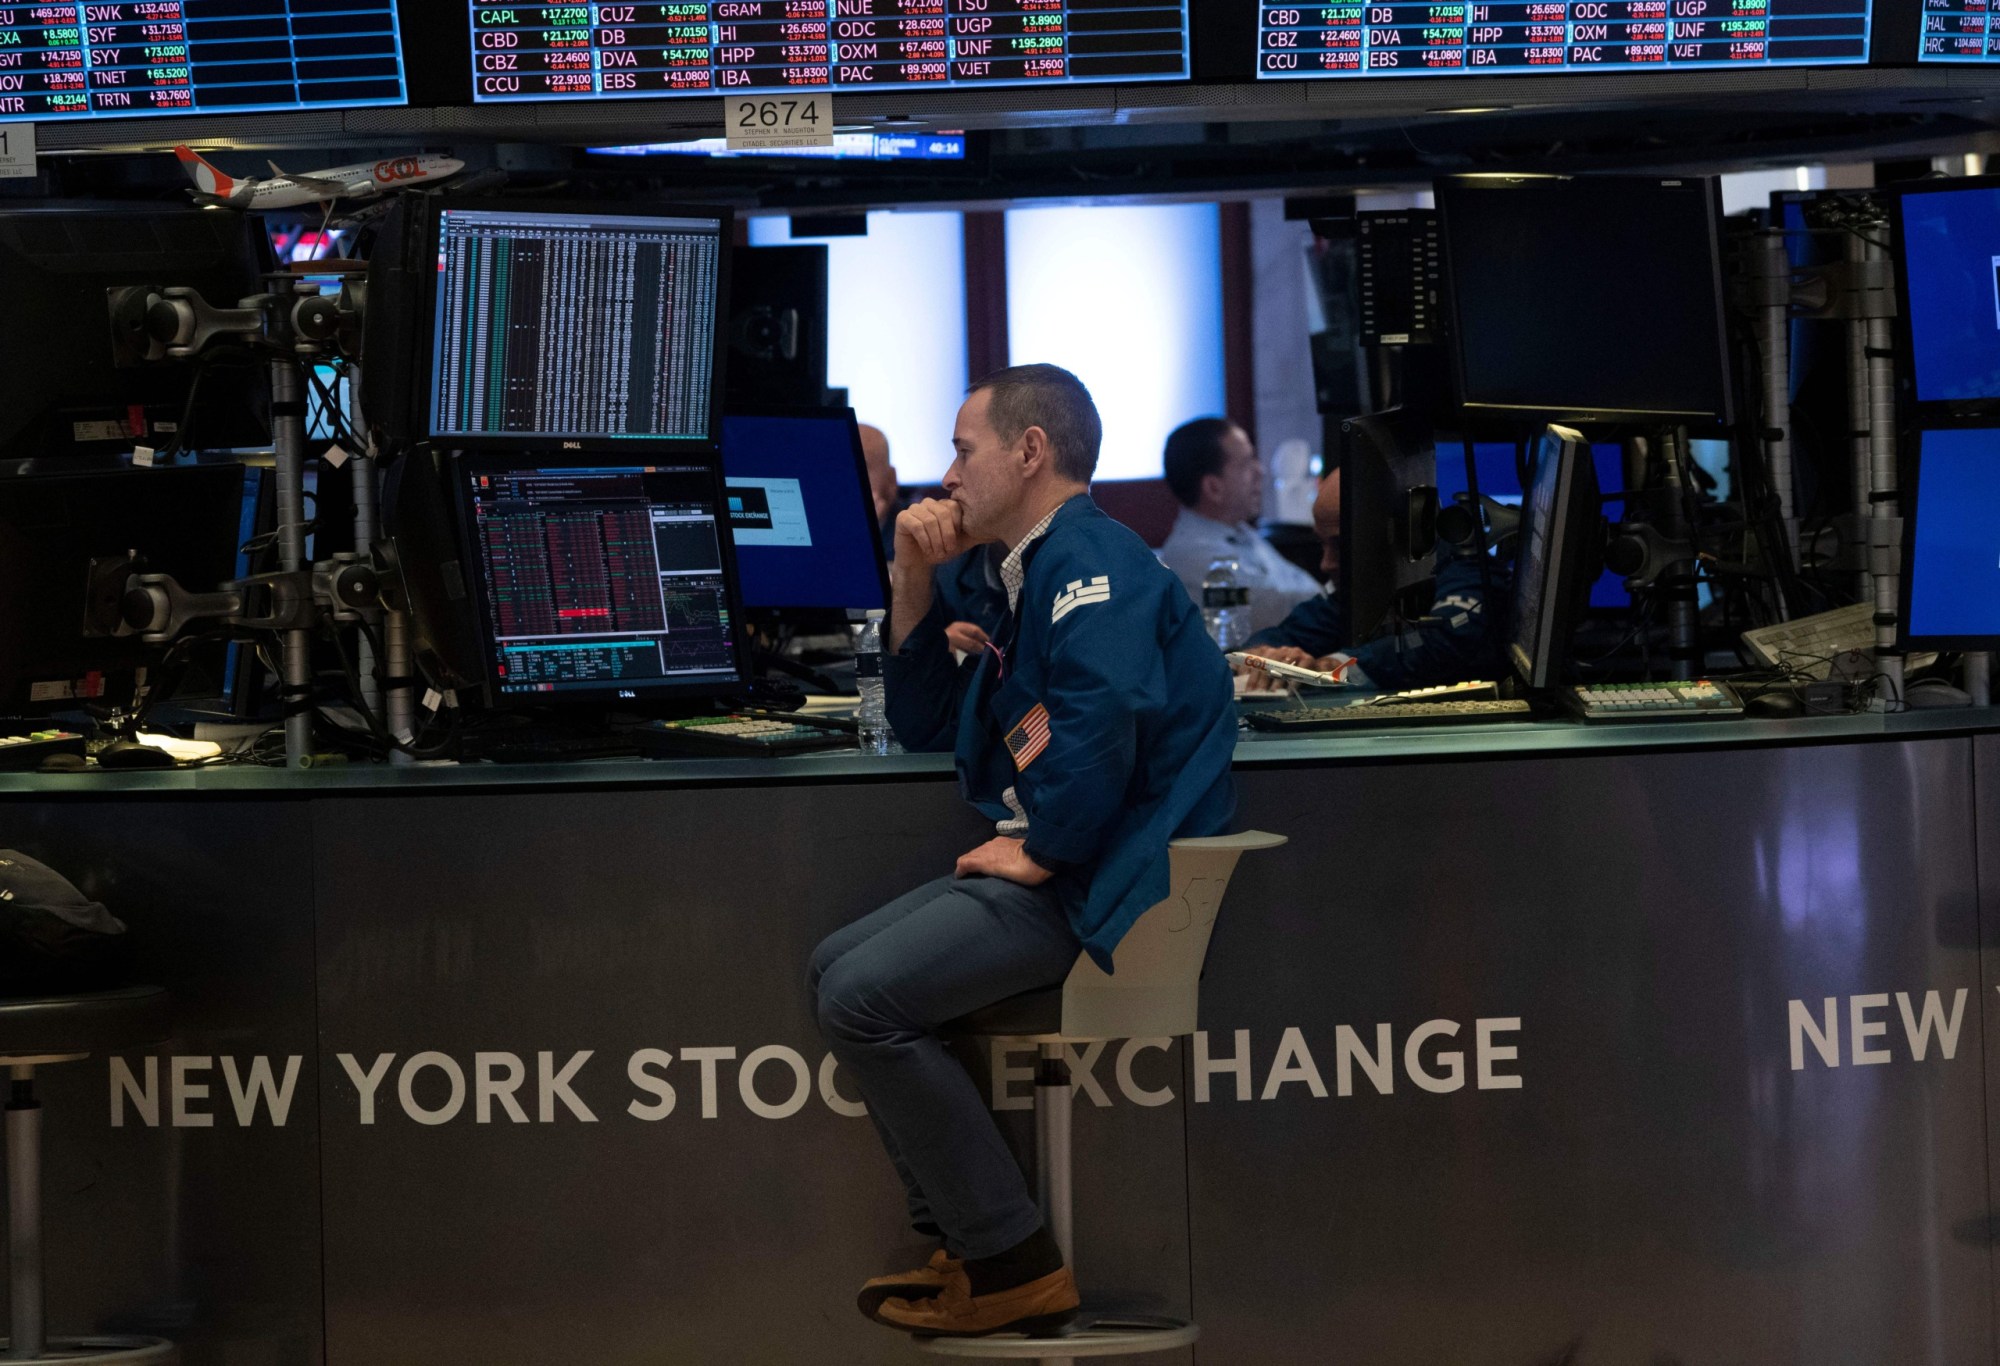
<point>1558,738</point>
<point>1633,1042</point>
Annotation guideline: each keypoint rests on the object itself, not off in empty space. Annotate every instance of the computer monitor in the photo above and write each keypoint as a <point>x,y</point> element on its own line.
<point>54,526</point>
<point>801,512</point>
<point>777,333</point>
<point>1951,570</point>
<point>67,394</point>
<point>1388,513</point>
<point>599,577</point>
<point>1561,547</point>
<point>1588,299</point>
<point>1948,263</point>
<point>571,321</point>
<point>1500,480</point>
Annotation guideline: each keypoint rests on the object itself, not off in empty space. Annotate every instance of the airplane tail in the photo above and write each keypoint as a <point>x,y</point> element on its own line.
<point>206,178</point>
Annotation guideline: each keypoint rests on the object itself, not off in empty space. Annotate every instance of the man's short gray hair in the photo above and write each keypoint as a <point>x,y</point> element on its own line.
<point>1049,397</point>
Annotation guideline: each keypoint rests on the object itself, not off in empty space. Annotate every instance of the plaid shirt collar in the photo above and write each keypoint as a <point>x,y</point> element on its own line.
<point>1013,573</point>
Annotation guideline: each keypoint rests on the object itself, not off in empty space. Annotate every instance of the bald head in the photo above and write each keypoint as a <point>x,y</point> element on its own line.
<point>1326,522</point>
<point>881,474</point>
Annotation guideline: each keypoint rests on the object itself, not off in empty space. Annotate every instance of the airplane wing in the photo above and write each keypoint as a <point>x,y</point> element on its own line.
<point>321,187</point>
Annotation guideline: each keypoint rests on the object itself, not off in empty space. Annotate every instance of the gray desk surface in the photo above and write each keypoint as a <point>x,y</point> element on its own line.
<point>1552,738</point>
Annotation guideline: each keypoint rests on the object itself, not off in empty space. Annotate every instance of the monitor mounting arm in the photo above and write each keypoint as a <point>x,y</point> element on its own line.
<point>294,325</point>
<point>157,609</point>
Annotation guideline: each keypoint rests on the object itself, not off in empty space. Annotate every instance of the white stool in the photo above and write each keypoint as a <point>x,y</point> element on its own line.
<point>42,1033</point>
<point>1153,995</point>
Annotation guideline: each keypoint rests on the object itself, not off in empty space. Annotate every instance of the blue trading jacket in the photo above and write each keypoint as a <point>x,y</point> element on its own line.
<point>969,588</point>
<point>1456,640</point>
<point>1105,706</point>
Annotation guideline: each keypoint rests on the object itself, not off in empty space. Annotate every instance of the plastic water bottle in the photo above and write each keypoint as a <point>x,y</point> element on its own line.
<point>874,713</point>
<point>1225,605</point>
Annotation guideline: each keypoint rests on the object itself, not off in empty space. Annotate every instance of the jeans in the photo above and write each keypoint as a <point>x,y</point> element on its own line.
<point>883,985</point>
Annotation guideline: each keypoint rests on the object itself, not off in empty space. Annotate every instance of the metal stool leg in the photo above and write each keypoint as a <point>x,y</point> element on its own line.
<point>24,1216</point>
<point>1052,1157</point>
<point>29,1340</point>
<point>1091,1335</point>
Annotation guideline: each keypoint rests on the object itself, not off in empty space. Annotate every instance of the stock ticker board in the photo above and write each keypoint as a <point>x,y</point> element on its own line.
<point>1444,37</point>
<point>189,56</point>
<point>566,52</point>
<point>1959,31</point>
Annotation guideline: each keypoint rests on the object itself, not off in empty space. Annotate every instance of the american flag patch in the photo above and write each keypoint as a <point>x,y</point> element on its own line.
<point>1029,738</point>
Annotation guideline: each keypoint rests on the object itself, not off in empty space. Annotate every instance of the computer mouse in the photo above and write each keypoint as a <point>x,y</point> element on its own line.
<point>1774,704</point>
<point>62,763</point>
<point>132,754</point>
<point>1935,692</point>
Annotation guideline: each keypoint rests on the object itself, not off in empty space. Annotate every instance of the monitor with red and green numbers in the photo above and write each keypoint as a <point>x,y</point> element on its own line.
<point>711,47</point>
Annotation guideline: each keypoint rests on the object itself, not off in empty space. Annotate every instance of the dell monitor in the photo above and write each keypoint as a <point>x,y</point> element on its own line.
<point>1588,299</point>
<point>57,528</point>
<point>1561,548</point>
<point>1951,585</point>
<point>1948,259</point>
<point>801,513</point>
<point>1388,514</point>
<point>552,322</point>
<point>599,577</point>
<point>67,392</point>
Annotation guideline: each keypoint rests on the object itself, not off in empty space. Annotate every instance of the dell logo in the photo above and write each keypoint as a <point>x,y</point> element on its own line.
<point>627,692</point>
<point>572,445</point>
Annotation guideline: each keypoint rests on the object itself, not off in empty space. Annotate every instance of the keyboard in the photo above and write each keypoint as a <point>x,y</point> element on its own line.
<point>1673,701</point>
<point>22,752</point>
<point>1443,692</point>
<point>553,747</point>
<point>744,734</point>
<point>1391,715</point>
<point>1809,644</point>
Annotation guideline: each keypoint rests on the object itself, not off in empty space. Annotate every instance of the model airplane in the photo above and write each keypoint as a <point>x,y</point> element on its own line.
<point>363,181</point>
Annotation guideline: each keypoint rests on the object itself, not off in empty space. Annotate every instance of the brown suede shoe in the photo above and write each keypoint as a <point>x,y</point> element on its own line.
<point>1040,1306</point>
<point>925,1281</point>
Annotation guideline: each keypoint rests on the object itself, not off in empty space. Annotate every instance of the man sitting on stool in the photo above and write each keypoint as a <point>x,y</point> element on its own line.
<point>1097,727</point>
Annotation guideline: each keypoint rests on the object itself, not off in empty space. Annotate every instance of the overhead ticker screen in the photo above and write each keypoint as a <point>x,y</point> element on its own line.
<point>1959,31</point>
<point>193,56</point>
<point>1445,37</point>
<point>570,52</point>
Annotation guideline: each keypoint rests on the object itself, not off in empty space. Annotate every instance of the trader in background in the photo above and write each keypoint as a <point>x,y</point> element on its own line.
<point>1456,640</point>
<point>1096,727</point>
<point>1213,470</point>
<point>882,483</point>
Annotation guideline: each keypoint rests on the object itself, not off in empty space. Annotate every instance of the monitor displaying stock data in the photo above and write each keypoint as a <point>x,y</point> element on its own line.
<point>585,322</point>
<point>598,579</point>
<point>1445,37</point>
<point>127,60</point>
<point>1959,31</point>
<point>706,47</point>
